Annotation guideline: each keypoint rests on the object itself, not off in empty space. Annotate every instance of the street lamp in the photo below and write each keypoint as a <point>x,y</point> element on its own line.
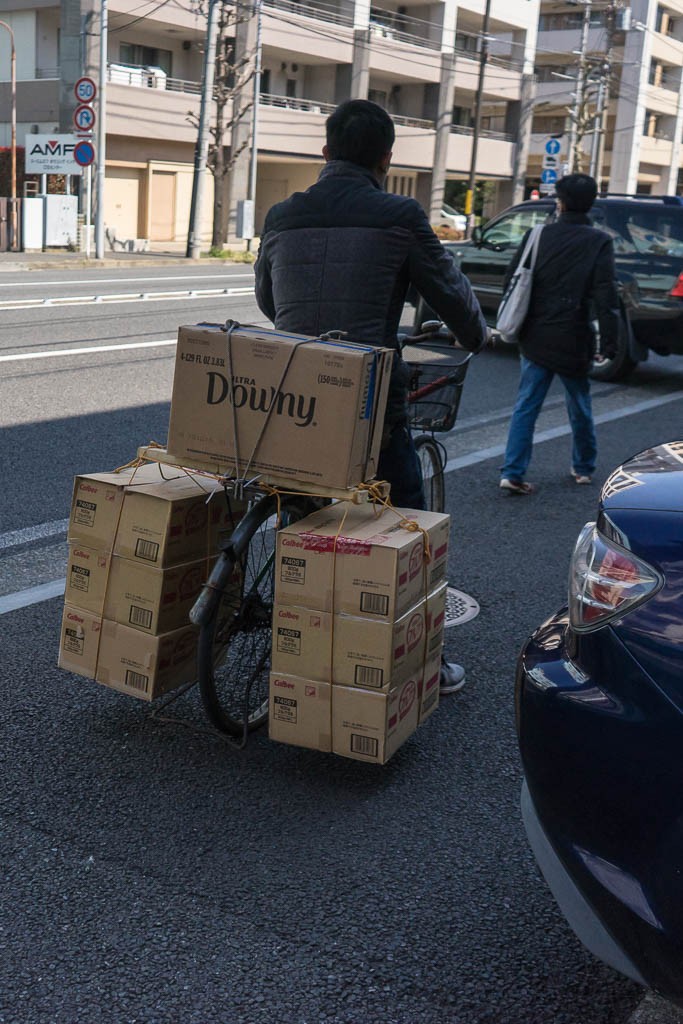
<point>13,78</point>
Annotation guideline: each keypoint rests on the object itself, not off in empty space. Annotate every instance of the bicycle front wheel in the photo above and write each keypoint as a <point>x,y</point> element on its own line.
<point>432,467</point>
<point>234,644</point>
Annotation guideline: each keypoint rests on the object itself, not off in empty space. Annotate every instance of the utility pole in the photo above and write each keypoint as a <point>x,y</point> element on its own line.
<point>576,112</point>
<point>101,133</point>
<point>254,117</point>
<point>604,96</point>
<point>202,147</point>
<point>483,60</point>
<point>13,136</point>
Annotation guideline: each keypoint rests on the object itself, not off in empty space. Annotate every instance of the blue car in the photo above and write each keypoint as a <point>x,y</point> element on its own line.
<point>599,703</point>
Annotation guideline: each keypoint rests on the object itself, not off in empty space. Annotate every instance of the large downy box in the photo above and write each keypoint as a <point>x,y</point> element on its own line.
<point>300,712</point>
<point>359,651</point>
<point>132,593</point>
<point>376,565</point>
<point>370,726</point>
<point>303,408</point>
<point>159,516</point>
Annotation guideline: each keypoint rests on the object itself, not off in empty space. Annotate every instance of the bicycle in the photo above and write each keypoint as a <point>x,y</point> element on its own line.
<point>433,402</point>
<point>234,610</point>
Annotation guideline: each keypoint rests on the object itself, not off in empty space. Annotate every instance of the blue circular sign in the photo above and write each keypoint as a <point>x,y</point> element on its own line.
<point>84,153</point>
<point>549,176</point>
<point>552,147</point>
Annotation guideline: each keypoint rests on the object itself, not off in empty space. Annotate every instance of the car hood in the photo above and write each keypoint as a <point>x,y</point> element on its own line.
<point>651,480</point>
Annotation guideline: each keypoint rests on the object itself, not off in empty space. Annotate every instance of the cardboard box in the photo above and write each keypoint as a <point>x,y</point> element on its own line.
<point>428,687</point>
<point>157,519</point>
<point>294,401</point>
<point>300,712</point>
<point>79,641</point>
<point>376,565</point>
<point>125,659</point>
<point>367,653</point>
<point>132,593</point>
<point>146,666</point>
<point>370,726</point>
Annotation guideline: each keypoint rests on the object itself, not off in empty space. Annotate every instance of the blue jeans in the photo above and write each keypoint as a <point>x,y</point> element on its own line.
<point>533,387</point>
<point>399,464</point>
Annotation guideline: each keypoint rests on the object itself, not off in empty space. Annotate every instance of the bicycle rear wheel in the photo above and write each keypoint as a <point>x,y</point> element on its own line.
<point>234,643</point>
<point>432,463</point>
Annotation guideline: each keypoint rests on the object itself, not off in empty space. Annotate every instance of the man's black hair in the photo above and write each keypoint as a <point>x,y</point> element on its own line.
<point>577,192</point>
<point>360,131</point>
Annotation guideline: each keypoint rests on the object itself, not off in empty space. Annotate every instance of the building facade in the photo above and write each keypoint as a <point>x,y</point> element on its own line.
<point>636,51</point>
<point>420,60</point>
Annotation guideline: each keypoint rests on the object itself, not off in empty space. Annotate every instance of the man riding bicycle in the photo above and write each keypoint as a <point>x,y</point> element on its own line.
<point>341,257</point>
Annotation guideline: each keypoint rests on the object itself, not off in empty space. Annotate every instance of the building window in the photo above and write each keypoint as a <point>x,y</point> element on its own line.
<point>265,81</point>
<point>462,116</point>
<point>290,87</point>
<point>651,124</point>
<point>146,56</point>
<point>666,23</point>
<point>378,96</point>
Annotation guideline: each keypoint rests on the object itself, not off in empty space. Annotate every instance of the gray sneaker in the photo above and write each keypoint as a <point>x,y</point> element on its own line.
<point>452,677</point>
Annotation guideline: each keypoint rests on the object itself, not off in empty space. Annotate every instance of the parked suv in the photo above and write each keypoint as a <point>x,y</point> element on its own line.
<point>648,244</point>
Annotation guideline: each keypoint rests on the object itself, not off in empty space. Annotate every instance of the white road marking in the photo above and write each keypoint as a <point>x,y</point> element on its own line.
<point>34,595</point>
<point>119,280</point>
<point>118,297</point>
<point>496,450</point>
<point>32,533</point>
<point>86,351</point>
<point>23,598</point>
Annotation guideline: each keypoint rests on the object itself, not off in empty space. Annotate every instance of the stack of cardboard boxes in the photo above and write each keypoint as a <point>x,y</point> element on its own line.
<point>141,544</point>
<point>357,629</point>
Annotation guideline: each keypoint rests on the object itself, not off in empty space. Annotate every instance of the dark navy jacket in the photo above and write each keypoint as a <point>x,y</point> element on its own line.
<point>574,279</point>
<point>341,256</point>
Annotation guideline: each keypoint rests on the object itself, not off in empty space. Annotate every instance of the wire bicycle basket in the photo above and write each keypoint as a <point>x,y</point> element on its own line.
<point>437,410</point>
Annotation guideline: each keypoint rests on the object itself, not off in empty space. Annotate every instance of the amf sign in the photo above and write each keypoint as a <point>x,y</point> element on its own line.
<point>51,154</point>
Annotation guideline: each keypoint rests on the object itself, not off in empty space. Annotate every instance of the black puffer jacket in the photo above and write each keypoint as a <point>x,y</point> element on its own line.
<point>341,256</point>
<point>574,277</point>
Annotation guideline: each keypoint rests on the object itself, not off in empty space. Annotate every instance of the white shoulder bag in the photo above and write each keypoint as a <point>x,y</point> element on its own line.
<point>514,305</point>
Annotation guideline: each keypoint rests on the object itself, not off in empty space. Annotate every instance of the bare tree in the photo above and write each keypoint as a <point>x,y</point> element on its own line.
<point>232,76</point>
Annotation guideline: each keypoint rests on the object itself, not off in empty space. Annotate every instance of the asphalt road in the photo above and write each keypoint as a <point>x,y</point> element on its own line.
<point>154,874</point>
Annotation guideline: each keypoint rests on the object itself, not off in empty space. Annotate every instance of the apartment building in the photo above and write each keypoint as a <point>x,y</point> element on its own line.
<point>419,59</point>
<point>640,55</point>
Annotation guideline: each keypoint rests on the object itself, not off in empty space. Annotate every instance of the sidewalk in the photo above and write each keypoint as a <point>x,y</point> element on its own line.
<point>60,259</point>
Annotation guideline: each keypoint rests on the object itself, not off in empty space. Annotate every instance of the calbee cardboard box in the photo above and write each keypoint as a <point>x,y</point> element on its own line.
<point>156,515</point>
<point>132,593</point>
<point>123,658</point>
<point>300,711</point>
<point>359,651</point>
<point>292,400</point>
<point>378,567</point>
<point>428,688</point>
<point>370,726</point>
<point>146,666</point>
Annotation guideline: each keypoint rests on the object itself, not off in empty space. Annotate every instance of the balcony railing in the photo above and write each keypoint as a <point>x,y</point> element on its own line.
<point>320,11</point>
<point>47,72</point>
<point>467,44</point>
<point>413,122</point>
<point>294,103</point>
<point>485,133</point>
<point>378,28</point>
<point>149,78</point>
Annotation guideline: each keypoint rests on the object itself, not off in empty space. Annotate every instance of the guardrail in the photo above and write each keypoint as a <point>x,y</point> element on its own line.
<point>141,77</point>
<point>485,133</point>
<point>378,28</point>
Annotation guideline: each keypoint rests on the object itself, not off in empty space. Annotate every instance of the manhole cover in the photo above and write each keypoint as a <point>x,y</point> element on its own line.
<point>460,607</point>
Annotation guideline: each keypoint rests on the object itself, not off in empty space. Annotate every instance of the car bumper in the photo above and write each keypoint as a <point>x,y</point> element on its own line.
<point>602,799</point>
<point>580,916</point>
